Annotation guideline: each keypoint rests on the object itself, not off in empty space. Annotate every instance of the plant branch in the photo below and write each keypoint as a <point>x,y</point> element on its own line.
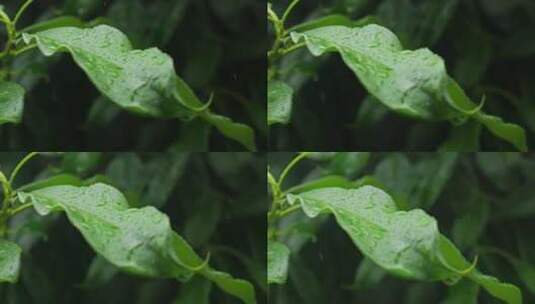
<point>24,49</point>
<point>20,165</point>
<point>289,167</point>
<point>20,208</point>
<point>288,11</point>
<point>21,11</point>
<point>289,210</point>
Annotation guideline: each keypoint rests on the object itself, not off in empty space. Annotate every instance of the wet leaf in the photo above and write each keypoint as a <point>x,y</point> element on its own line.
<point>139,241</point>
<point>278,258</point>
<point>11,102</point>
<point>279,102</point>
<point>9,261</point>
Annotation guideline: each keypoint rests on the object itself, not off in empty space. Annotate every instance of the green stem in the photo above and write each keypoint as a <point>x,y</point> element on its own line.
<point>19,166</point>
<point>5,185</point>
<point>289,167</point>
<point>20,208</point>
<point>10,29</point>
<point>24,49</point>
<point>294,47</point>
<point>289,210</point>
<point>288,11</point>
<point>21,11</point>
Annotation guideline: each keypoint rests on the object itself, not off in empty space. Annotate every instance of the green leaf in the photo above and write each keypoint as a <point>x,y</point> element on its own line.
<point>504,291</point>
<point>451,256</point>
<point>237,131</point>
<point>458,99</point>
<point>413,83</point>
<point>11,102</point>
<point>278,256</point>
<point>323,182</point>
<point>139,241</point>
<point>139,81</point>
<point>398,241</point>
<point>279,102</point>
<point>62,21</point>
<point>409,82</point>
<point>9,261</point>
<point>509,132</point>
<point>328,20</point>
<point>512,133</point>
<point>56,180</point>
<point>405,243</point>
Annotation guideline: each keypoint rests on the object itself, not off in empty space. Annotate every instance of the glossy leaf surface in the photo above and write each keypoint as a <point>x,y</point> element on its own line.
<point>278,256</point>
<point>405,243</point>
<point>279,102</point>
<point>138,241</point>
<point>140,81</point>
<point>11,102</point>
<point>9,261</point>
<point>410,82</point>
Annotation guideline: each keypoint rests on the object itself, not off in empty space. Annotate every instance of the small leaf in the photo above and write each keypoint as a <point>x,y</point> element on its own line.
<point>458,99</point>
<point>11,102</point>
<point>279,102</point>
<point>56,180</point>
<point>323,182</point>
<point>62,21</point>
<point>278,256</point>
<point>9,261</point>
<point>452,257</point>
<point>234,130</point>
<point>328,20</point>
<point>509,132</point>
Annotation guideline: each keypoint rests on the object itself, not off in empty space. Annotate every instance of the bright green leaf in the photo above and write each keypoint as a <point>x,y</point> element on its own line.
<point>506,131</point>
<point>405,243</point>
<point>234,130</point>
<point>139,241</point>
<point>139,81</point>
<point>409,82</point>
